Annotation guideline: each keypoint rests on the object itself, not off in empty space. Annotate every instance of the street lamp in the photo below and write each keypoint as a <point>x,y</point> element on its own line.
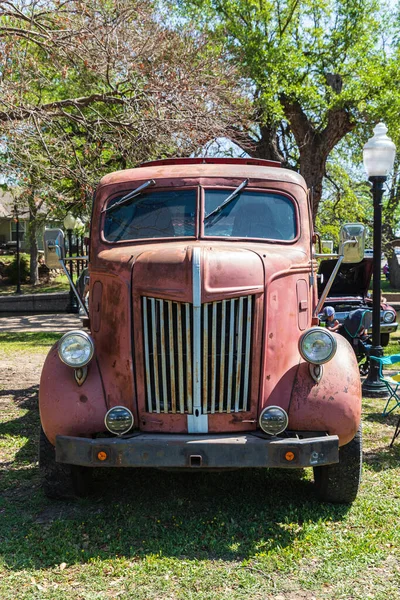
<point>16,219</point>
<point>378,153</point>
<point>69,224</point>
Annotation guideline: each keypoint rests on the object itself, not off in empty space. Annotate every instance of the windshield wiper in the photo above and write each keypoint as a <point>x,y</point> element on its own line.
<point>229,199</point>
<point>130,196</point>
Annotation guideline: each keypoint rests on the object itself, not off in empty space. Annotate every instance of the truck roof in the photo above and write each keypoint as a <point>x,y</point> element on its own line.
<point>216,168</point>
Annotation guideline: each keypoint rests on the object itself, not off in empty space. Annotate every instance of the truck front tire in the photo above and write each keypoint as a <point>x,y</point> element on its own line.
<point>60,480</point>
<point>339,483</point>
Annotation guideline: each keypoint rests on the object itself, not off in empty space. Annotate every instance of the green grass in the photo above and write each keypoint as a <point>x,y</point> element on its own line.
<point>59,284</point>
<point>150,535</point>
<point>27,342</point>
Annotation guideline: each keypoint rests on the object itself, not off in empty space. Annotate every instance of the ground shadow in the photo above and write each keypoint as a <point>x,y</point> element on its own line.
<point>135,513</point>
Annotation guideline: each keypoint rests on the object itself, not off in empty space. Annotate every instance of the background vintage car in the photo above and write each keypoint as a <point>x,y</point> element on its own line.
<point>350,291</point>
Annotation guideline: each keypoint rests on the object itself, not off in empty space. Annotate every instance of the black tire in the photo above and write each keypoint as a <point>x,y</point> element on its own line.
<point>339,483</point>
<point>58,479</point>
<point>384,339</point>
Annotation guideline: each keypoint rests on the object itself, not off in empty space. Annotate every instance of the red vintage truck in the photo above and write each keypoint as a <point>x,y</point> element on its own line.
<point>202,348</point>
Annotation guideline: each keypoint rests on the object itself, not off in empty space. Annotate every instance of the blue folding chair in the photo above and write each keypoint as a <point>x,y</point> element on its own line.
<point>392,382</point>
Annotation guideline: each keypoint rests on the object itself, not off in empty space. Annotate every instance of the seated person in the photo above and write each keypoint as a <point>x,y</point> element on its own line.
<point>329,316</point>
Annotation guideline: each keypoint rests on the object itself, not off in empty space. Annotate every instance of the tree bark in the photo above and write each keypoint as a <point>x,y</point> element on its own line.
<point>314,145</point>
<point>394,271</point>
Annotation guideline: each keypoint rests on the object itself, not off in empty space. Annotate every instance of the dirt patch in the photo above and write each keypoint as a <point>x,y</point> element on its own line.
<point>19,373</point>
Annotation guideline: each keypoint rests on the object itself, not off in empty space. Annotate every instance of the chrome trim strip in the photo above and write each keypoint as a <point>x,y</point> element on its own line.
<point>172,356</point>
<point>205,357</point>
<point>155,354</point>
<point>239,353</point>
<point>213,356</point>
<point>230,362</point>
<point>189,372</point>
<point>146,354</point>
<point>222,365</point>
<point>180,359</point>
<point>202,423</point>
<point>163,361</point>
<point>247,353</point>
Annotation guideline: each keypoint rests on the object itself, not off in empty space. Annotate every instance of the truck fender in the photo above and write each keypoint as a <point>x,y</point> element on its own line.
<point>67,408</point>
<point>332,405</point>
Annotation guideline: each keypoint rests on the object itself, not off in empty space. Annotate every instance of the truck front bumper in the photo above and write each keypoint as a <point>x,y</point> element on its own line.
<point>223,451</point>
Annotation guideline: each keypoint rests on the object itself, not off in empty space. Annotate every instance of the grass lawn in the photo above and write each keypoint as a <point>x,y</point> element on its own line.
<point>58,284</point>
<point>150,535</point>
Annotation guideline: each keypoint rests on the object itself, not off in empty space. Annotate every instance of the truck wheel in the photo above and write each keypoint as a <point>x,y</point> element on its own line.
<point>58,479</point>
<point>339,483</point>
<point>384,339</point>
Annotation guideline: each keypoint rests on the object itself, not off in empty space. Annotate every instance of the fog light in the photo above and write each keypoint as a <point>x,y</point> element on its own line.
<point>119,420</point>
<point>273,420</point>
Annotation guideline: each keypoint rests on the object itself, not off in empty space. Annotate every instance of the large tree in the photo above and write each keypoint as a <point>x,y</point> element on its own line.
<point>314,70</point>
<point>87,88</point>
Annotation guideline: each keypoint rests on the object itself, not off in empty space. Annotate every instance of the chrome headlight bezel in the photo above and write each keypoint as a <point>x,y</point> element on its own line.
<point>114,409</point>
<point>282,426</point>
<point>390,314</point>
<point>86,339</point>
<point>324,335</point>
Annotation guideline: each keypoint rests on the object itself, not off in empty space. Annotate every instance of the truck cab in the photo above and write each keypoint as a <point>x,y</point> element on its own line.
<point>203,349</point>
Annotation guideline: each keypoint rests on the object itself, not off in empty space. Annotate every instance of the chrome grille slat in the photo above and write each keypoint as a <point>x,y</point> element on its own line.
<point>230,355</point>
<point>180,359</point>
<point>222,365</point>
<point>224,335</point>
<point>189,379</point>
<point>213,356</point>
<point>247,352</point>
<point>205,356</point>
<point>239,328</point>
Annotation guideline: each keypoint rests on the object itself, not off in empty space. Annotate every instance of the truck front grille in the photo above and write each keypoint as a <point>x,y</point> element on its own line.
<point>226,328</point>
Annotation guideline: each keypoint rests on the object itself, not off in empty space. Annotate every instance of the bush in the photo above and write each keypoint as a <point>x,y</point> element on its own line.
<point>11,270</point>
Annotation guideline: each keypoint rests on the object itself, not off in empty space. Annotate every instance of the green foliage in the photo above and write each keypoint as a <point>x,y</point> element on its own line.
<point>11,270</point>
<point>346,198</point>
<point>324,53</point>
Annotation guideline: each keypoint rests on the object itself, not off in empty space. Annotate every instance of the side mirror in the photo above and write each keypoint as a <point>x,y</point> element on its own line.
<point>54,247</point>
<point>352,242</point>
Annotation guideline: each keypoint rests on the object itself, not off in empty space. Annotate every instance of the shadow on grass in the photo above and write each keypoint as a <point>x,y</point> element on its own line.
<point>230,516</point>
<point>132,514</point>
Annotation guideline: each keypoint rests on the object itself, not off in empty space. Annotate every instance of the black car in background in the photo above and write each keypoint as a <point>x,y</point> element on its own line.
<point>350,291</point>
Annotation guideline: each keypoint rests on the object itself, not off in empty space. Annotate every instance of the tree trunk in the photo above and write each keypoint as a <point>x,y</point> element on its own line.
<point>394,271</point>
<point>315,145</point>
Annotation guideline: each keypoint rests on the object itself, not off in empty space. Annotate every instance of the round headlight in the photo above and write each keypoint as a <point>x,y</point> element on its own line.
<point>317,346</point>
<point>76,349</point>
<point>388,316</point>
<point>119,420</point>
<point>273,420</point>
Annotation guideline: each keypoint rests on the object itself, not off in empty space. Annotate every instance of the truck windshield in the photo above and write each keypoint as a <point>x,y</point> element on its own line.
<point>250,215</point>
<point>154,215</point>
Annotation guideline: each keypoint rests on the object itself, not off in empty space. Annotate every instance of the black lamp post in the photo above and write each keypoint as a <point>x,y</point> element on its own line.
<point>379,153</point>
<point>69,224</point>
<point>18,290</point>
